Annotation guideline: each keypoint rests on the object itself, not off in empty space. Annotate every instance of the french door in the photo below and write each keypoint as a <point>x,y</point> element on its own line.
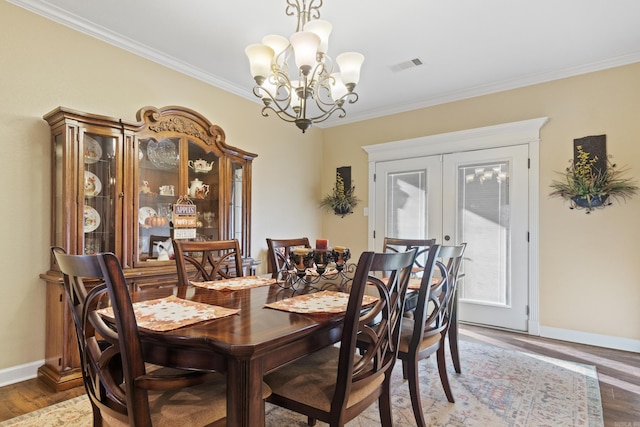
<point>478,197</point>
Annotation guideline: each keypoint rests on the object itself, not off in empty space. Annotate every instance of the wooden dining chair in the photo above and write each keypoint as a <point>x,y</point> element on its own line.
<point>278,253</point>
<point>451,257</point>
<point>393,244</point>
<point>207,260</point>
<point>334,384</point>
<point>426,333</point>
<point>120,388</point>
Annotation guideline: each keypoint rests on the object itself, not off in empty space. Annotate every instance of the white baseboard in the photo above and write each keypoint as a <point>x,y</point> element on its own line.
<point>607,341</point>
<point>15,374</point>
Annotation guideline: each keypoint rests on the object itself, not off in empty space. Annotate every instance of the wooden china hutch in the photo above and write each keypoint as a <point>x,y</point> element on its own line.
<point>113,187</point>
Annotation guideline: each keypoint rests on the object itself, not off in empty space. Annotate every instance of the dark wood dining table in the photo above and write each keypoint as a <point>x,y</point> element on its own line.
<point>245,346</point>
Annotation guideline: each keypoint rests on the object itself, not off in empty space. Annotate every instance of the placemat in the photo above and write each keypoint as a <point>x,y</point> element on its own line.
<point>319,302</point>
<point>169,313</point>
<point>236,283</point>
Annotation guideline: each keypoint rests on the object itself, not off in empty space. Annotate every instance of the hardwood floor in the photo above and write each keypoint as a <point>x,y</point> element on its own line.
<point>618,372</point>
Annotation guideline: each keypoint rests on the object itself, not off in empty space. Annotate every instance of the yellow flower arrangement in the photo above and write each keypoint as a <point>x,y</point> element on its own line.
<point>341,200</point>
<point>586,186</point>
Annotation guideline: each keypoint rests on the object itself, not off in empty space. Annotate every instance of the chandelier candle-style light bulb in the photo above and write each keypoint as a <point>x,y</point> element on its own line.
<point>295,77</point>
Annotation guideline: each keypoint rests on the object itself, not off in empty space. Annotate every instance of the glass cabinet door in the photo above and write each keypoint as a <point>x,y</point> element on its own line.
<point>203,188</point>
<point>98,153</point>
<point>158,188</point>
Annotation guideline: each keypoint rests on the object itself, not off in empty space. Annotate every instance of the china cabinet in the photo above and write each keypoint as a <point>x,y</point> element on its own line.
<point>114,184</point>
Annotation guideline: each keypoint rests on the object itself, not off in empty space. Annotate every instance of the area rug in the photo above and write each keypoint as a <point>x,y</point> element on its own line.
<point>497,387</point>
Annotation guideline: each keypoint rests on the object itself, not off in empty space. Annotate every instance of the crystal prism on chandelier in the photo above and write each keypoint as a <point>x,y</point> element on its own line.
<point>317,90</point>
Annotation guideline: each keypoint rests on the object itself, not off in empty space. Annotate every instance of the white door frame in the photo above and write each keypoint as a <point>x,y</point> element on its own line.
<point>503,135</point>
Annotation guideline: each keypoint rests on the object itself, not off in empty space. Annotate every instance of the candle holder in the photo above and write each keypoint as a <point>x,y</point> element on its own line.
<point>302,259</point>
<point>319,269</point>
<point>321,257</point>
<point>340,256</point>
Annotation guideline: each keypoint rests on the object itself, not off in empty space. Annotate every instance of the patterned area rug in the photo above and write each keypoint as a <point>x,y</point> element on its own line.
<point>497,387</point>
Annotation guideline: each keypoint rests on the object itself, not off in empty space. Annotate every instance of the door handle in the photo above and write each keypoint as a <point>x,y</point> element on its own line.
<point>447,237</point>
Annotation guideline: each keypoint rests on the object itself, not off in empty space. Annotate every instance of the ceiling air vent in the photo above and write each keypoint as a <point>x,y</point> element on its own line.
<point>406,65</point>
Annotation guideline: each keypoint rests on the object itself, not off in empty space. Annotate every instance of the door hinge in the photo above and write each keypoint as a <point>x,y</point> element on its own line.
<point>528,163</point>
<point>374,234</point>
<point>374,177</point>
<point>528,237</point>
<point>527,310</point>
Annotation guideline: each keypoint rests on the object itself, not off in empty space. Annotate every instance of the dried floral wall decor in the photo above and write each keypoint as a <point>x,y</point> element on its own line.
<point>342,199</point>
<point>591,181</point>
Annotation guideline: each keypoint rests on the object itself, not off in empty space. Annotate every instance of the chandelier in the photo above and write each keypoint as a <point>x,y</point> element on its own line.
<point>314,90</point>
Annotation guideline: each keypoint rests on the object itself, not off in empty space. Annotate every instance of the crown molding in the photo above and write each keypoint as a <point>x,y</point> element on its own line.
<point>75,22</point>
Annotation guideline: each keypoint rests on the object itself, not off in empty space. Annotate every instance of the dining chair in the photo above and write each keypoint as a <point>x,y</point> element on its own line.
<point>212,260</point>
<point>336,384</point>
<point>393,244</point>
<point>426,333</point>
<point>451,257</point>
<point>278,252</point>
<point>121,389</point>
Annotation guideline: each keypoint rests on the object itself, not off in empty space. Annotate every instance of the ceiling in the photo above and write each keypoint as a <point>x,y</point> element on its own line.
<point>467,47</point>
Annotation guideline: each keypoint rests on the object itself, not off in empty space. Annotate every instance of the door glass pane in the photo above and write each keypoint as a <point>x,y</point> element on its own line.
<point>158,188</point>
<point>99,198</point>
<point>236,214</point>
<point>407,205</point>
<point>204,181</point>
<point>483,218</point>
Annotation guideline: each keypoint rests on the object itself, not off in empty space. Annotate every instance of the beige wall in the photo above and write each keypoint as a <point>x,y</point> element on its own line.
<point>589,265</point>
<point>590,277</point>
<point>45,65</point>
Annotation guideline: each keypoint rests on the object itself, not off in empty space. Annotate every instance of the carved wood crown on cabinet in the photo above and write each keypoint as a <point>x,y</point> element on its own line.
<point>110,176</point>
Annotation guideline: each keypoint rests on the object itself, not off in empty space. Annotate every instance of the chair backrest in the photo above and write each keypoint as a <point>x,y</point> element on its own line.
<point>393,244</point>
<point>110,357</point>
<point>379,326</point>
<point>212,260</point>
<point>278,252</point>
<point>435,297</point>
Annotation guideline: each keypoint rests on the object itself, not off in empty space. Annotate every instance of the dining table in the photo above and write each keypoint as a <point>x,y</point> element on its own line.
<point>245,345</point>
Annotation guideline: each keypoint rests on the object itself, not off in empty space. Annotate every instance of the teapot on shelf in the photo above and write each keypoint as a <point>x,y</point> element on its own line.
<point>200,165</point>
<point>198,189</point>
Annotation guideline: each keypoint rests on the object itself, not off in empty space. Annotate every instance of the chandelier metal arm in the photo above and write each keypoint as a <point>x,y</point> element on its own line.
<point>303,12</point>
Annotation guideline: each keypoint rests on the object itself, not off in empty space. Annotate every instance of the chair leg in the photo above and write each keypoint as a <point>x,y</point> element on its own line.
<point>384,403</point>
<point>453,335</point>
<point>442,370</point>
<point>414,392</point>
<point>405,373</point>
<point>311,421</point>
<point>97,417</point>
